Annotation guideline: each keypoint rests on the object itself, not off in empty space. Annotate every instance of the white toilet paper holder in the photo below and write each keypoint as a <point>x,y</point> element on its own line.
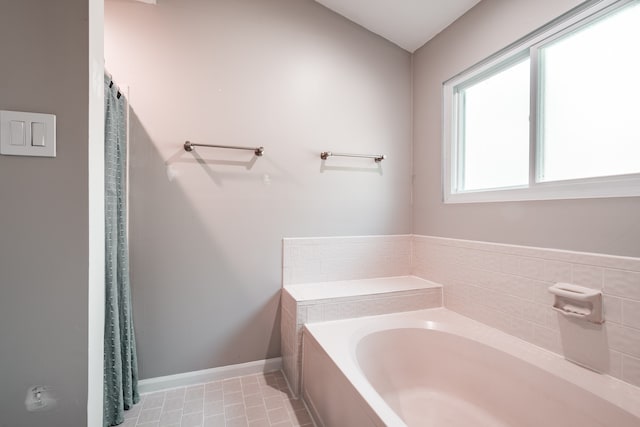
<point>577,301</point>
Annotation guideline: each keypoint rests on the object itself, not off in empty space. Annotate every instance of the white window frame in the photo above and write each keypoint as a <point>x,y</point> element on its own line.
<point>609,186</point>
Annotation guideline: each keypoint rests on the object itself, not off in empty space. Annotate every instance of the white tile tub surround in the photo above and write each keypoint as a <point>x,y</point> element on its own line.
<point>322,301</point>
<point>505,286</point>
<point>326,259</point>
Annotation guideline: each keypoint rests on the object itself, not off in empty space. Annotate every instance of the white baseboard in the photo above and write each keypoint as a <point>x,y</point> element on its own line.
<point>207,375</point>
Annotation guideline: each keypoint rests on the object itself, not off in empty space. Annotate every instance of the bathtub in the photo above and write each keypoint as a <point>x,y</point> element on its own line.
<point>437,368</point>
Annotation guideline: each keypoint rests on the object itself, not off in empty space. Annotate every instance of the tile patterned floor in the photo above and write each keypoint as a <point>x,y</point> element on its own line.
<point>262,400</point>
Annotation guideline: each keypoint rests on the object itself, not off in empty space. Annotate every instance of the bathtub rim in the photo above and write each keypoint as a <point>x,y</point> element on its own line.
<point>623,395</point>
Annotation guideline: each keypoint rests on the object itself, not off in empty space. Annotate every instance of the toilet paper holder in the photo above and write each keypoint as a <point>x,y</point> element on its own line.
<point>578,302</point>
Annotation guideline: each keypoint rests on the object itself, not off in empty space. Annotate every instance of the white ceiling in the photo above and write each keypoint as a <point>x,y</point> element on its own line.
<point>407,23</point>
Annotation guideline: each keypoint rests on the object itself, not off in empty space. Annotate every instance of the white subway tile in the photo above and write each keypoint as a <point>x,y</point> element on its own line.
<point>510,264</point>
<point>531,267</point>
<point>489,261</point>
<point>522,329</point>
<point>623,339</point>
<point>612,309</point>
<point>523,266</point>
<point>615,364</point>
<point>309,272</point>
<point>301,315</point>
<point>315,313</point>
<point>541,293</point>
<point>286,276</point>
<point>475,258</point>
<point>433,299</point>
<point>484,279</point>
<point>587,275</point>
<point>522,287</point>
<point>542,315</point>
<point>600,260</point>
<point>556,271</point>
<point>631,313</point>
<point>294,252</point>
<point>631,369</point>
<point>547,338</point>
<point>616,262</point>
<point>332,311</point>
<point>454,302</point>
<point>344,258</point>
<point>505,303</point>
<point>622,283</point>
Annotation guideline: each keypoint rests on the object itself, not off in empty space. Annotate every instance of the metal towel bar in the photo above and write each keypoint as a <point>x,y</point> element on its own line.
<point>377,157</point>
<point>258,151</point>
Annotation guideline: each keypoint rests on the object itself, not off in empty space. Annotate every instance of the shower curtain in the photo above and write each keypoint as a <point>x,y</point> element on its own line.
<point>120,362</point>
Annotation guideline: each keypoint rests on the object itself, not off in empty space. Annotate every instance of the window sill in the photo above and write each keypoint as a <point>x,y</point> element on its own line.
<point>627,186</point>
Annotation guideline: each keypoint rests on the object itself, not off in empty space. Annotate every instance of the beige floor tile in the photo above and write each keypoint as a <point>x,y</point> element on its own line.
<point>173,404</point>
<point>192,406</point>
<point>215,421</point>
<point>171,418</point>
<point>233,398</point>
<point>213,408</point>
<point>214,385</point>
<point>234,411</point>
<point>278,415</point>
<point>253,400</point>
<point>256,412</point>
<point>176,393</point>
<point>192,420</point>
<point>237,422</point>
<point>262,400</point>
<point>213,395</point>
<point>149,415</point>
<point>273,402</point>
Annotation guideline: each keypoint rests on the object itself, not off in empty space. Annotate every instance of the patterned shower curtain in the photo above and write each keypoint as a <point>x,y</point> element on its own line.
<point>120,362</point>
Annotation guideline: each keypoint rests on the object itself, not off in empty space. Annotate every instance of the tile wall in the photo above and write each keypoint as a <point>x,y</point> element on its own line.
<point>505,286</point>
<point>327,259</point>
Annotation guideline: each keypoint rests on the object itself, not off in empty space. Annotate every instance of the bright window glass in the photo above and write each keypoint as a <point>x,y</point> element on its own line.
<point>590,100</point>
<point>494,130</point>
<point>574,102</point>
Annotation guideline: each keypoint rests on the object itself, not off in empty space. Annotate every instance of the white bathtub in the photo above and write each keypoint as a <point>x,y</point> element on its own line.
<point>437,368</point>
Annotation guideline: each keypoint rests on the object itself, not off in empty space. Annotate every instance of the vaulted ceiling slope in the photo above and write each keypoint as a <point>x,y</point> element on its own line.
<point>407,23</point>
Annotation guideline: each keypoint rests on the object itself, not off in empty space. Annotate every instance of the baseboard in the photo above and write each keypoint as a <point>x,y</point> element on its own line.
<point>207,375</point>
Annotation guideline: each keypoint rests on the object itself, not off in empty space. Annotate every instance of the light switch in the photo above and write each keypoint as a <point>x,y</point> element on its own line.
<point>37,134</point>
<point>17,132</point>
<point>27,134</point>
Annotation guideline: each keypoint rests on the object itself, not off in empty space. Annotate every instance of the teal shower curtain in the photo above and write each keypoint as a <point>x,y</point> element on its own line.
<point>120,362</point>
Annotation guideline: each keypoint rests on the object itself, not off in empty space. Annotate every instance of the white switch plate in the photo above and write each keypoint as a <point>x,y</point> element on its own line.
<point>17,133</point>
<point>41,143</point>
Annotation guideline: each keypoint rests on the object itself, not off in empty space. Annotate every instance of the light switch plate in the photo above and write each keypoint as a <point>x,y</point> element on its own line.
<point>41,143</point>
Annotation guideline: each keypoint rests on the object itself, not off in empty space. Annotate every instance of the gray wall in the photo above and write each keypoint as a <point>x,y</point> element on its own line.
<point>44,238</point>
<point>206,227</point>
<point>608,226</point>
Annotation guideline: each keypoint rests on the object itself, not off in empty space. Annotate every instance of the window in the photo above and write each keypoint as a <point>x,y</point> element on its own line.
<point>494,129</point>
<point>557,116</point>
